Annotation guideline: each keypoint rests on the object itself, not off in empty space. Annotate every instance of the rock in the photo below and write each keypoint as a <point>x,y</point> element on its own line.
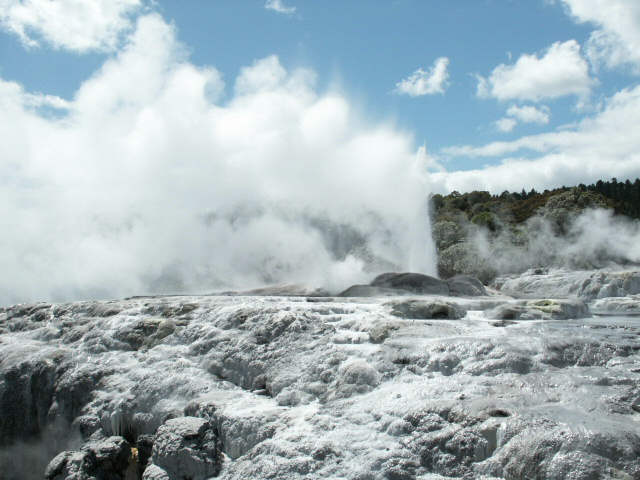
<point>334,388</point>
<point>154,472</point>
<point>135,335</point>
<point>286,290</point>
<point>415,283</point>
<point>547,309</point>
<point>616,305</point>
<point>426,309</point>
<point>466,286</point>
<point>561,283</point>
<point>610,284</point>
<point>104,459</point>
<point>187,448</point>
<point>144,444</point>
<point>380,332</point>
<point>27,390</point>
<point>369,291</point>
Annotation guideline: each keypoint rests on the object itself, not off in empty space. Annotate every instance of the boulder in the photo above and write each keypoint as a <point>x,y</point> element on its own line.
<point>154,472</point>
<point>416,283</point>
<point>426,310</point>
<point>369,291</point>
<point>186,448</point>
<point>465,286</point>
<point>546,309</point>
<point>100,459</point>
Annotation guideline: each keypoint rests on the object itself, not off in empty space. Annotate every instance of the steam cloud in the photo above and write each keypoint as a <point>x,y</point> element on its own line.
<point>150,180</point>
<point>594,239</point>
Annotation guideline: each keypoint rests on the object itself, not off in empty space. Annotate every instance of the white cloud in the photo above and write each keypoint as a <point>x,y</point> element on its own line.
<point>617,40</point>
<point>77,25</point>
<point>603,146</point>
<point>40,100</point>
<point>560,71</point>
<point>430,82</point>
<point>278,6</point>
<point>529,114</point>
<point>150,183</point>
<point>524,114</point>
<point>506,124</point>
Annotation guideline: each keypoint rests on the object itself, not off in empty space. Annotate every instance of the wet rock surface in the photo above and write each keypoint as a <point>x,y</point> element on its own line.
<point>409,387</point>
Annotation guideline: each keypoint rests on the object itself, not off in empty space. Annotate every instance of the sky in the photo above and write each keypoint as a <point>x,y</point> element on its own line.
<point>478,84</point>
<point>156,145</point>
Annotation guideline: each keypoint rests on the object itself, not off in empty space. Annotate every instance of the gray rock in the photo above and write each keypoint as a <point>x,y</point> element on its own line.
<point>187,448</point>
<point>27,391</point>
<point>294,389</point>
<point>97,460</point>
<point>466,286</point>
<point>546,309</point>
<point>426,309</point>
<point>154,472</point>
<point>370,291</point>
<point>415,283</point>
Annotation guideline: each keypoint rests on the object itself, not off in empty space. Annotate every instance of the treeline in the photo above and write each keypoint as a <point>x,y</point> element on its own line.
<point>623,197</point>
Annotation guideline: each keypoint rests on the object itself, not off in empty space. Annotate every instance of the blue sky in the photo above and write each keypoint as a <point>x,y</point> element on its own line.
<point>364,48</point>
<point>165,145</point>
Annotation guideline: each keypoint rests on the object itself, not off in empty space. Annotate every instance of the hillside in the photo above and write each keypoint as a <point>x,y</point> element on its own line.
<point>486,234</point>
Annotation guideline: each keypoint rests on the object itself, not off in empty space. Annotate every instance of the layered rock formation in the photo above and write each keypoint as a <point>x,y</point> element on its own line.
<point>423,380</point>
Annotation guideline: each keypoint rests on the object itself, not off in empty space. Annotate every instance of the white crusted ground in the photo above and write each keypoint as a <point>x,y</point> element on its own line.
<point>333,388</point>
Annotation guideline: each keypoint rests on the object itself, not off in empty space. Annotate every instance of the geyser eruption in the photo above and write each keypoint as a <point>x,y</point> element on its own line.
<point>152,179</point>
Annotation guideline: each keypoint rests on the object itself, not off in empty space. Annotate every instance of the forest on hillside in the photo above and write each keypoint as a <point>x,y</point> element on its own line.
<point>488,235</point>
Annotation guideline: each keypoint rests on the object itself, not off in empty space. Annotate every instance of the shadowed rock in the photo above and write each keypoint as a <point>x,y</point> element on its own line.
<point>186,448</point>
<point>545,309</point>
<point>416,283</point>
<point>425,310</point>
<point>101,459</point>
<point>465,286</point>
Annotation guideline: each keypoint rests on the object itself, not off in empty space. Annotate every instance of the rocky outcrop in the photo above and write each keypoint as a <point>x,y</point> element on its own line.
<point>97,460</point>
<point>547,309</point>
<point>560,283</point>
<point>412,386</point>
<point>414,283</point>
<point>426,309</point>
<point>465,286</point>
<point>185,448</point>
<point>396,284</point>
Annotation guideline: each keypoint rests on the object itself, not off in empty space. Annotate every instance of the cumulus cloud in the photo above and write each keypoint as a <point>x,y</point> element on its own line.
<point>422,82</point>
<point>524,114</point>
<point>602,146</point>
<point>506,124</point>
<point>148,182</point>
<point>77,25</point>
<point>617,40</point>
<point>278,6</point>
<point>560,70</point>
<point>529,114</point>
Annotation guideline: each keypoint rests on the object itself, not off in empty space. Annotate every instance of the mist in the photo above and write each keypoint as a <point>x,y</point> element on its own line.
<point>595,238</point>
<point>158,177</point>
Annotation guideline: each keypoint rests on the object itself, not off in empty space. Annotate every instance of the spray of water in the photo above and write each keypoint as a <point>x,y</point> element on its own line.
<point>157,177</point>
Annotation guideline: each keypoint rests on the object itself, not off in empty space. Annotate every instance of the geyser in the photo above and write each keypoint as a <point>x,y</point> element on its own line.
<point>154,179</point>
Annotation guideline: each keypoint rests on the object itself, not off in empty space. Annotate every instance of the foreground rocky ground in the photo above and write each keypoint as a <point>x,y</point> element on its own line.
<point>406,378</point>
